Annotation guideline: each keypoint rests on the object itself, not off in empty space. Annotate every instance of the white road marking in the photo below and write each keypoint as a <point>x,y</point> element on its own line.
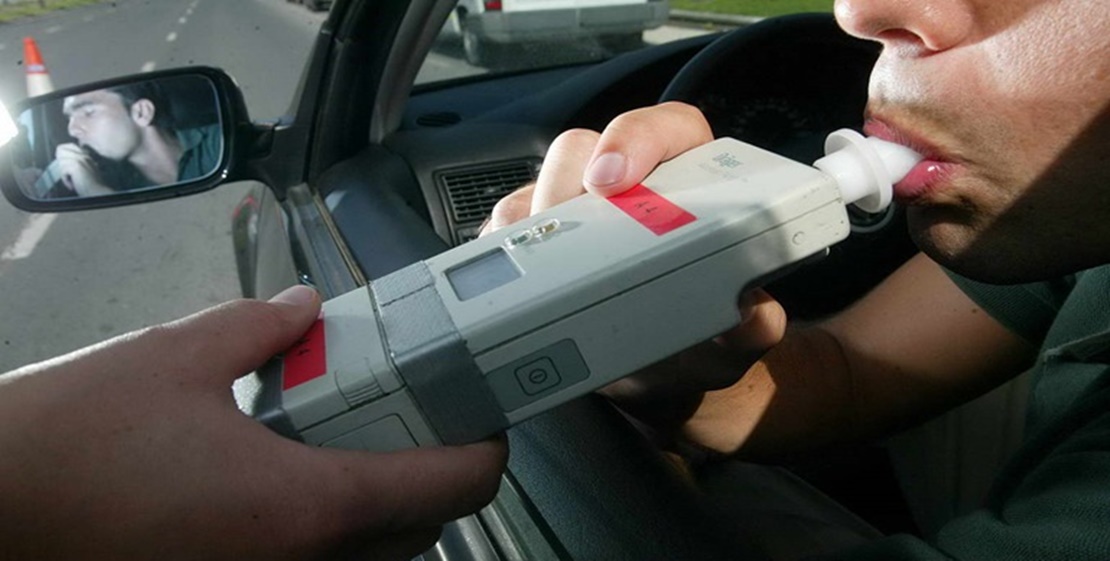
<point>171,37</point>
<point>87,19</point>
<point>2,46</point>
<point>147,66</point>
<point>32,233</point>
<point>53,29</point>
<point>183,20</point>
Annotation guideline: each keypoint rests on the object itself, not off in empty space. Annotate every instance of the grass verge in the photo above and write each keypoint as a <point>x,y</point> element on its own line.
<point>32,8</point>
<point>764,8</point>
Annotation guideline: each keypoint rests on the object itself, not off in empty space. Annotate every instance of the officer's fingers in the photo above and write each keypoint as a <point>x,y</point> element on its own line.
<point>222,343</point>
<point>637,141</point>
<point>416,488</point>
<point>393,547</point>
<point>563,167</point>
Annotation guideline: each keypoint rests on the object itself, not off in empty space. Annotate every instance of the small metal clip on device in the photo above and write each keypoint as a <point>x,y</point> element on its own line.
<point>460,346</point>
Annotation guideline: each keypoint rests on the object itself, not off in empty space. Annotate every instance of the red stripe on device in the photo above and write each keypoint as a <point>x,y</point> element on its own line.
<point>307,359</point>
<point>652,210</point>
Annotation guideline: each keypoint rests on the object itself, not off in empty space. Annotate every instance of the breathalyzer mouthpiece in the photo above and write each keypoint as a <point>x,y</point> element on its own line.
<point>865,168</point>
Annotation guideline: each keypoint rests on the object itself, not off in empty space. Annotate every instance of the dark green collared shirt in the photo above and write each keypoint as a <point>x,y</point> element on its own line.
<point>1052,500</point>
<point>203,148</point>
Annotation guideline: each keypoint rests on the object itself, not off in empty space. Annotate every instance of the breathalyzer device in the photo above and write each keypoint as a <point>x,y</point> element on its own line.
<point>463,345</point>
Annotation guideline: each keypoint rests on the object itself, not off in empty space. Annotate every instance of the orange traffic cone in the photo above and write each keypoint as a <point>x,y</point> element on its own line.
<point>38,79</point>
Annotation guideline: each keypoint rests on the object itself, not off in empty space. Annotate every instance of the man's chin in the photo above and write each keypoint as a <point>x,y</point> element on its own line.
<point>991,257</point>
<point>93,152</point>
<point>966,251</point>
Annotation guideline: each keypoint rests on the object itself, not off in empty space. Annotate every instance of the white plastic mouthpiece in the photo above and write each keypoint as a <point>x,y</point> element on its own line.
<point>865,169</point>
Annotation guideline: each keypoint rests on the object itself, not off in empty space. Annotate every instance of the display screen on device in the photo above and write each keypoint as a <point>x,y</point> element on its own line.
<point>479,276</point>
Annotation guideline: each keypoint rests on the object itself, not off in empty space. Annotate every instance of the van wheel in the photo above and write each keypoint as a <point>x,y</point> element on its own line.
<point>479,51</point>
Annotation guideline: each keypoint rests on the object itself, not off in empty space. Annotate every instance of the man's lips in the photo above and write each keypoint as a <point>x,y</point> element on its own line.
<point>927,176</point>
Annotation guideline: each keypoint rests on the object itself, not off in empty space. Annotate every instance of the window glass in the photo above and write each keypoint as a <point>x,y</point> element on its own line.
<point>72,279</point>
<point>483,36</point>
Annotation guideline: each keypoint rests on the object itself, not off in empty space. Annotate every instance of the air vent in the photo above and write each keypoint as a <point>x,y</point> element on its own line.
<point>441,119</point>
<point>472,192</point>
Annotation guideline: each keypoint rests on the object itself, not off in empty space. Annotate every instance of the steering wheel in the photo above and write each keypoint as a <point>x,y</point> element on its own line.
<point>784,84</point>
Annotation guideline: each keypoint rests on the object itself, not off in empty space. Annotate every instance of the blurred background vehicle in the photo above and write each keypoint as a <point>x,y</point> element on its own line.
<point>488,29</point>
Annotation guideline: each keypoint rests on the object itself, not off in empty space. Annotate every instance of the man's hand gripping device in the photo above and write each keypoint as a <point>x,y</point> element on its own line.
<point>463,345</point>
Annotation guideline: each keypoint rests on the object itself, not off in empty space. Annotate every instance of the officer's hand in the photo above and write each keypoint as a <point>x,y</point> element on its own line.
<point>134,448</point>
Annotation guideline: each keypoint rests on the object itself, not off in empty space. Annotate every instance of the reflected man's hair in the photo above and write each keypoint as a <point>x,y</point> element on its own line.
<point>152,91</point>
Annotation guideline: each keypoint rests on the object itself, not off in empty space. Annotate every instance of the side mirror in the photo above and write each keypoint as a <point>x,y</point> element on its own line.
<point>122,141</point>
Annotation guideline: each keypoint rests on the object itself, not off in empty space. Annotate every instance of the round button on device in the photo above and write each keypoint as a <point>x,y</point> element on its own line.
<point>537,376</point>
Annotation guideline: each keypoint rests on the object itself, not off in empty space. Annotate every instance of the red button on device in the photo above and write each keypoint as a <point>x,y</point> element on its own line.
<point>307,359</point>
<point>652,210</point>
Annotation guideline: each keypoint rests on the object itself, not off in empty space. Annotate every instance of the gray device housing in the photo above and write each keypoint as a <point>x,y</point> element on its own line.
<point>566,302</point>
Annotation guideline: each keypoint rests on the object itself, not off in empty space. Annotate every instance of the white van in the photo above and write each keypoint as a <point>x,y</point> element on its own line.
<point>487,27</point>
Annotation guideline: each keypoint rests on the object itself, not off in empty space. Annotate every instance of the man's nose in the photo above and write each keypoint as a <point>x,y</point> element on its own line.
<point>928,25</point>
<point>75,129</point>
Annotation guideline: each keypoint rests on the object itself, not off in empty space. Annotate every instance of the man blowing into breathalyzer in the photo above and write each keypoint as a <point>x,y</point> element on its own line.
<point>126,138</point>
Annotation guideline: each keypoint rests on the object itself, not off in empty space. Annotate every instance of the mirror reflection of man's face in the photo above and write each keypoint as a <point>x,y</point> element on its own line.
<point>100,121</point>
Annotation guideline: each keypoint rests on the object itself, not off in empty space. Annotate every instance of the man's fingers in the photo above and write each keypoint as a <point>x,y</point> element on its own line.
<point>607,163</point>
<point>718,363</point>
<point>762,326</point>
<point>72,153</point>
<point>667,392</point>
<point>511,208</point>
<point>637,141</point>
<point>563,167</point>
<point>68,150</point>
<point>560,179</point>
<point>417,488</point>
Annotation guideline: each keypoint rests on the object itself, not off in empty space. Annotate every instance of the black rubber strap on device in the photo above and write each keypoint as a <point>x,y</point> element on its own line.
<point>432,358</point>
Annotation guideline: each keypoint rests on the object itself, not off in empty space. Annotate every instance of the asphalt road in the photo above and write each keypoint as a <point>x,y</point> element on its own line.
<point>69,280</point>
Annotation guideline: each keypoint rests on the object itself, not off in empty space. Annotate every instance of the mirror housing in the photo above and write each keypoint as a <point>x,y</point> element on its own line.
<point>123,141</point>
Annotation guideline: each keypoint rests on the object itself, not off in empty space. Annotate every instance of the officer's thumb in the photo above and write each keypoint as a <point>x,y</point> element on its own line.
<point>232,339</point>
